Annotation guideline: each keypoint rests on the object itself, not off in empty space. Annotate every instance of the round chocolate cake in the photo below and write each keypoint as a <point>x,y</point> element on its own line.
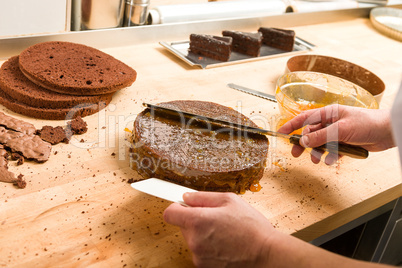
<point>75,69</point>
<point>14,84</point>
<point>195,153</point>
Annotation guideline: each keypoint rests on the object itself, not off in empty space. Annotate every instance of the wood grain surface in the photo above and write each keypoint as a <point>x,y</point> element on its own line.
<point>79,211</point>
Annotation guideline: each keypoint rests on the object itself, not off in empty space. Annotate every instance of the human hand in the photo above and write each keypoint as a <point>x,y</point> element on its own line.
<point>367,128</point>
<point>222,230</point>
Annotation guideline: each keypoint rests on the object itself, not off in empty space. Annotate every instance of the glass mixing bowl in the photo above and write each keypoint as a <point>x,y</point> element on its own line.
<point>299,91</point>
<point>340,68</point>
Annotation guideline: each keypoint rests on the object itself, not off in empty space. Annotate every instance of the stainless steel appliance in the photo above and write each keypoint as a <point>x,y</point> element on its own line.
<point>96,14</point>
<point>136,12</point>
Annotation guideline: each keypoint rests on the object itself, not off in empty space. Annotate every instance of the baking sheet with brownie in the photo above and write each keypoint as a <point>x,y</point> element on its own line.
<point>181,49</point>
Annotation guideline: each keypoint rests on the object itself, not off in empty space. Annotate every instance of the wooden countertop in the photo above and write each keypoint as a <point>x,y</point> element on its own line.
<point>78,209</point>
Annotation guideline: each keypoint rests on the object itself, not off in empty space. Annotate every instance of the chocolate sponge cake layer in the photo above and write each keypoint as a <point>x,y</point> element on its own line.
<point>75,69</point>
<point>50,114</point>
<point>245,43</point>
<point>15,84</point>
<point>214,47</point>
<point>278,38</point>
<point>198,155</point>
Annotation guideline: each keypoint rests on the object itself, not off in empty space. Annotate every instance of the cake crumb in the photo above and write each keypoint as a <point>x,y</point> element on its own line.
<point>20,182</point>
<point>53,135</point>
<point>20,159</point>
<point>77,125</point>
<point>131,180</point>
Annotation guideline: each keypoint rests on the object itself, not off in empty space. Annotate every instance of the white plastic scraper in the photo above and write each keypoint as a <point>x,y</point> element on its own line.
<point>162,189</point>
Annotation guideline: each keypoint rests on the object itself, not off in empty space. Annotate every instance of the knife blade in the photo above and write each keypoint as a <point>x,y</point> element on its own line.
<point>331,147</point>
<point>253,92</point>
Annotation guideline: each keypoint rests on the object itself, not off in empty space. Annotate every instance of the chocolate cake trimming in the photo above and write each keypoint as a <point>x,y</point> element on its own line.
<point>55,135</point>
<point>75,69</point>
<point>5,174</point>
<point>10,122</point>
<point>19,138</point>
<point>32,147</point>
<point>278,38</point>
<point>3,157</point>
<point>245,43</point>
<point>51,114</point>
<point>16,85</point>
<point>214,47</point>
<point>22,141</point>
<point>195,155</point>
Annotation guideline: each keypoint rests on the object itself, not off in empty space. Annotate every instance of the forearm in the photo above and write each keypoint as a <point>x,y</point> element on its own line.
<point>288,251</point>
<point>384,130</point>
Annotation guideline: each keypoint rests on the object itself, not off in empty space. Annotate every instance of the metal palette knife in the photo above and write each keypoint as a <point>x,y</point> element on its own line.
<point>331,147</point>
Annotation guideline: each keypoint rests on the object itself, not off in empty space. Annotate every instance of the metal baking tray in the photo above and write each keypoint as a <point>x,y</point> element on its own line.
<point>388,21</point>
<point>180,49</point>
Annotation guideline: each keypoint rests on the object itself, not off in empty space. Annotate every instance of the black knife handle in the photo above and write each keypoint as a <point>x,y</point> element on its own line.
<point>336,148</point>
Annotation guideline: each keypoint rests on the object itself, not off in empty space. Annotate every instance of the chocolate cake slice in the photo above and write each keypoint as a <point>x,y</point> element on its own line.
<point>245,43</point>
<point>278,38</point>
<point>214,47</point>
<point>195,154</point>
<point>75,69</point>
<point>51,114</point>
<point>14,83</point>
